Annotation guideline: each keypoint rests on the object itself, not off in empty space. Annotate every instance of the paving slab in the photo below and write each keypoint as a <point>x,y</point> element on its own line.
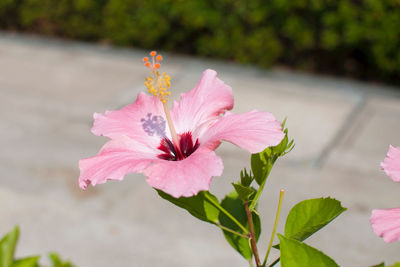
<point>49,90</point>
<point>368,136</point>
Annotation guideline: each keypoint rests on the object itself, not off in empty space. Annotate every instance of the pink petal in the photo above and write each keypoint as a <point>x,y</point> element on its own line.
<point>386,224</point>
<point>253,131</point>
<point>116,159</point>
<point>205,102</point>
<point>185,177</point>
<point>128,120</point>
<point>391,164</point>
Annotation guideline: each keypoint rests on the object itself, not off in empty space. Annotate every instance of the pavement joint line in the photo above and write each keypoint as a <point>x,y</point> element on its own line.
<point>361,122</point>
<point>343,130</point>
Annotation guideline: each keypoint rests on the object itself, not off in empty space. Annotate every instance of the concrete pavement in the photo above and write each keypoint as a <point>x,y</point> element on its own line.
<point>49,90</point>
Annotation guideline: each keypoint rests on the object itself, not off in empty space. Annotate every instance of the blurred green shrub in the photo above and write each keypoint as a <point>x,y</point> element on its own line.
<point>349,37</point>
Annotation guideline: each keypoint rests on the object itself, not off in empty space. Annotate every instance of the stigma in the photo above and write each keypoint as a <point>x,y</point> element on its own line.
<point>158,83</point>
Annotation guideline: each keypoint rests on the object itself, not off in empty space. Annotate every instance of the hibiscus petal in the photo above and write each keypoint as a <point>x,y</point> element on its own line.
<point>386,224</point>
<point>143,121</point>
<point>116,159</point>
<point>391,164</point>
<point>206,101</point>
<point>253,131</point>
<point>185,177</point>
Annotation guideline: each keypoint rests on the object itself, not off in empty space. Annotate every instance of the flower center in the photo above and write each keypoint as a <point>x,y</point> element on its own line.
<point>180,152</point>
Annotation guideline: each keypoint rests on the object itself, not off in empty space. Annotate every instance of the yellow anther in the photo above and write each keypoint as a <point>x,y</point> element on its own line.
<point>159,86</point>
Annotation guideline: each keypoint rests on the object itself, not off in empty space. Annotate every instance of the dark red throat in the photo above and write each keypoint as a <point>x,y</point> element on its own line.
<point>185,149</point>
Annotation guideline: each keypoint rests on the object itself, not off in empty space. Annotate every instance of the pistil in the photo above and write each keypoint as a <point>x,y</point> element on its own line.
<point>158,86</point>
<point>170,124</point>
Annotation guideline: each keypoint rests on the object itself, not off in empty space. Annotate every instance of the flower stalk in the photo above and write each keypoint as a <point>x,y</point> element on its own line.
<point>253,242</point>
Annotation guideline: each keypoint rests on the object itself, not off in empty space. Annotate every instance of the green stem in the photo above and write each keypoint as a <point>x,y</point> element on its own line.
<point>275,262</point>
<point>261,188</point>
<point>232,231</point>
<point>218,206</point>
<point>282,192</point>
<point>251,263</point>
<point>257,196</point>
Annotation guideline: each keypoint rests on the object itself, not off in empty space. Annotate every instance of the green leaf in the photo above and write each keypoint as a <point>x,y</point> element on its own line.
<point>55,259</point>
<point>57,262</point>
<point>7,247</point>
<point>261,165</point>
<point>382,264</point>
<point>246,178</point>
<point>297,254</point>
<point>27,262</point>
<point>396,264</point>
<point>309,216</point>
<point>244,192</point>
<point>199,206</point>
<point>281,147</point>
<point>234,205</point>
<point>285,146</point>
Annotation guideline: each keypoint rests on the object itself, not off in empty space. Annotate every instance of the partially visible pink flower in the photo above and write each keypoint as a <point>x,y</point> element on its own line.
<point>141,141</point>
<point>386,224</point>
<point>391,164</point>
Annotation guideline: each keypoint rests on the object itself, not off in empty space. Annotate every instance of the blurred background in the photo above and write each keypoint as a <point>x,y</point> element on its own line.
<point>331,67</point>
<point>358,38</point>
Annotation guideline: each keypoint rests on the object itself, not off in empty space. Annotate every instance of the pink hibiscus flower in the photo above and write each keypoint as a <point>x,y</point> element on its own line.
<point>175,150</point>
<point>386,222</point>
<point>391,164</point>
